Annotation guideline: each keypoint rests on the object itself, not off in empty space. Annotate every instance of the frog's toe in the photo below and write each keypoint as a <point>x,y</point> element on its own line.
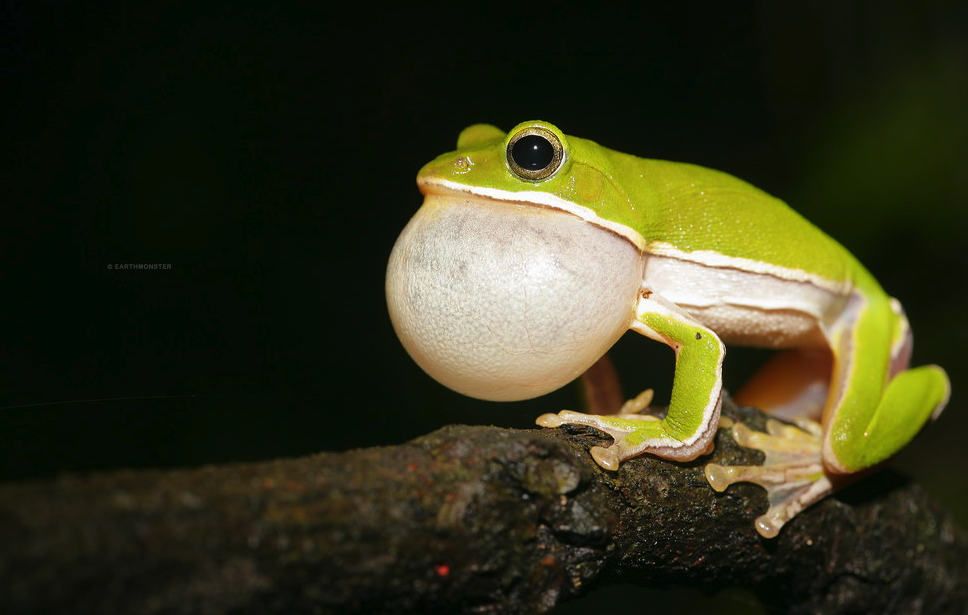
<point>792,472</point>
<point>615,425</point>
<point>618,426</point>
<point>637,404</point>
<point>607,457</point>
<point>550,420</point>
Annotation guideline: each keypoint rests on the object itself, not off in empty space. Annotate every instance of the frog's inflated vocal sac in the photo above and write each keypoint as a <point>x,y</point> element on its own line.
<point>535,251</point>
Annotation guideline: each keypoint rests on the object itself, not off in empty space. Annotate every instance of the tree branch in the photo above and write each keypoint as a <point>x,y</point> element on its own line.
<point>465,519</point>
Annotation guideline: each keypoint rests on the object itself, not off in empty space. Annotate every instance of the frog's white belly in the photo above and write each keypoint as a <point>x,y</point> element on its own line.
<point>746,308</point>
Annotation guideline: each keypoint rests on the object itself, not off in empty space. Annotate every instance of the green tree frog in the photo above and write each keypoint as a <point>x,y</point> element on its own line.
<point>535,251</point>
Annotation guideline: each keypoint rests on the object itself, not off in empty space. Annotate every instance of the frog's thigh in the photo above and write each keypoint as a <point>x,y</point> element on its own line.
<point>792,384</point>
<point>909,400</point>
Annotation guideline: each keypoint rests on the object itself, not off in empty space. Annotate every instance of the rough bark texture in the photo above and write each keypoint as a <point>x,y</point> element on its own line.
<point>463,520</point>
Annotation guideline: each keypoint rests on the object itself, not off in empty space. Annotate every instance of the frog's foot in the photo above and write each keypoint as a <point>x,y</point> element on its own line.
<point>792,473</point>
<point>628,420</point>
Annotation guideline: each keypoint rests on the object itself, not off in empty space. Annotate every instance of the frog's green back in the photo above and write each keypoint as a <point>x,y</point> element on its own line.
<point>697,209</point>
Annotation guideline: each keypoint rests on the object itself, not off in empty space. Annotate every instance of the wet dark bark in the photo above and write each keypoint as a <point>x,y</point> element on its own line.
<point>462,520</point>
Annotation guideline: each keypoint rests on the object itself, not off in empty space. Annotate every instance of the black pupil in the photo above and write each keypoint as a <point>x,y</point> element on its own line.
<point>533,152</point>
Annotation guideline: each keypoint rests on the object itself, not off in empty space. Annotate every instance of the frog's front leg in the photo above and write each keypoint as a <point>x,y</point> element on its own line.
<point>689,426</point>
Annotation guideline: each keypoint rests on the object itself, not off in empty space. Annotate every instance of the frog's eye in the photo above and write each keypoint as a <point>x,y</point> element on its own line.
<point>535,153</point>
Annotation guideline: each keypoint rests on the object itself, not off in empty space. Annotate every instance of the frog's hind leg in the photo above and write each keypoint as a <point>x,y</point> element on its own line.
<point>873,408</point>
<point>792,385</point>
<point>868,424</point>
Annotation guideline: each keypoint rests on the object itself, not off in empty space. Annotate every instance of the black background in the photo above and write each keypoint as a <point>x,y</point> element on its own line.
<point>267,154</point>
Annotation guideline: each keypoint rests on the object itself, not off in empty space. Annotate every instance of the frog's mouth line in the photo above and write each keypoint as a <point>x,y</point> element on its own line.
<point>531,198</point>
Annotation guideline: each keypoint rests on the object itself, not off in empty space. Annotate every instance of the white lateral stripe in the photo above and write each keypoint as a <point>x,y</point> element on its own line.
<point>710,258</point>
<point>544,199</point>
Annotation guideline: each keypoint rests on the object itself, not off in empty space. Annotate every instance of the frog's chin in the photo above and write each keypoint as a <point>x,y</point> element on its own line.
<point>504,300</point>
